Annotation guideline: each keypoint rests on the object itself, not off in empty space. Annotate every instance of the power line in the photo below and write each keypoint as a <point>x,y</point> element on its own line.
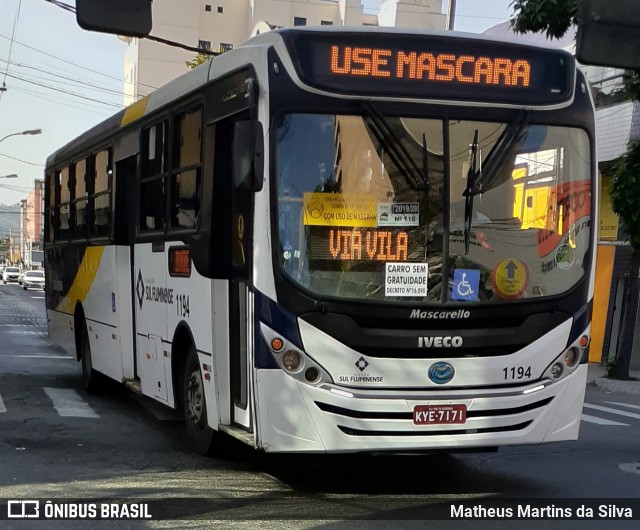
<point>57,89</point>
<point>39,95</point>
<point>74,64</point>
<point>13,35</point>
<point>23,161</point>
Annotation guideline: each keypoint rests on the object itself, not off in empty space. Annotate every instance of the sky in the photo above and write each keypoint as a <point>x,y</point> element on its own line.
<point>63,79</point>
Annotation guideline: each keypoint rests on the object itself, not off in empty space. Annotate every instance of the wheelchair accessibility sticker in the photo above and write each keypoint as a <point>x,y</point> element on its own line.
<point>466,283</point>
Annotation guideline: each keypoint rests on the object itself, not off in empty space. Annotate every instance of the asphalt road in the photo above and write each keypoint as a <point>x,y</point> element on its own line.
<point>57,442</point>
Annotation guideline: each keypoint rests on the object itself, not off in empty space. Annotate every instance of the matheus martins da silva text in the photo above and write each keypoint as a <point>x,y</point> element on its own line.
<point>525,511</point>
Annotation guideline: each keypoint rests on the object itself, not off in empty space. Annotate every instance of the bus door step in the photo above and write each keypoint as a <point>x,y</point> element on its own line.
<point>133,385</point>
<point>238,434</point>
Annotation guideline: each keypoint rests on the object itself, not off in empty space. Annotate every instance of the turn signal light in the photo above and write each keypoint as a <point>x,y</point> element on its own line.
<point>180,261</point>
<point>584,340</point>
<point>277,344</point>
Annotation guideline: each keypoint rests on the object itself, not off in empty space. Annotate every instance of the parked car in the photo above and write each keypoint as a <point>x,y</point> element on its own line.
<point>10,274</point>
<point>33,279</point>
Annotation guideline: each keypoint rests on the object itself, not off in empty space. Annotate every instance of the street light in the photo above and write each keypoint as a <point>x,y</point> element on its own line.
<point>12,176</point>
<point>28,131</point>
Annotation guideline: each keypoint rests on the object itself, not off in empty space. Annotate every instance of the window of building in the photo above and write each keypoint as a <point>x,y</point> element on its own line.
<point>153,184</point>
<point>101,195</point>
<point>299,21</point>
<point>207,7</point>
<point>225,47</point>
<point>326,23</point>
<point>185,184</point>
<point>220,9</point>
<point>204,44</point>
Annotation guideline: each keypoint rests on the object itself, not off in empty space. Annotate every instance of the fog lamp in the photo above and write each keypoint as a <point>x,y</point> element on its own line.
<point>556,370</point>
<point>290,360</point>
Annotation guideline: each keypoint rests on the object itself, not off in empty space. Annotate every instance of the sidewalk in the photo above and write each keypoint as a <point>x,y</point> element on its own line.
<point>595,377</point>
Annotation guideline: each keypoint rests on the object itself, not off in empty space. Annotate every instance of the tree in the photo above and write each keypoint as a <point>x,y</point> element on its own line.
<point>554,17</point>
<point>197,60</point>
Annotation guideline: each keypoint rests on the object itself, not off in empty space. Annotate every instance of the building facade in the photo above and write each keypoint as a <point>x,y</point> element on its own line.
<point>220,25</point>
<point>31,232</point>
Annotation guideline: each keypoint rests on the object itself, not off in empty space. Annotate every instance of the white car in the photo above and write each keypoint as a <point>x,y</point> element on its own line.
<point>10,274</point>
<point>33,279</point>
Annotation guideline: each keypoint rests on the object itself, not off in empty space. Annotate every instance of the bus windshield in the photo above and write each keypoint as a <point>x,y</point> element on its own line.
<point>373,208</point>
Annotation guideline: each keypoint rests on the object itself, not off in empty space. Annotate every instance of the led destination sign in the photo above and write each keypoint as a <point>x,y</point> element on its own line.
<point>356,247</point>
<point>428,66</point>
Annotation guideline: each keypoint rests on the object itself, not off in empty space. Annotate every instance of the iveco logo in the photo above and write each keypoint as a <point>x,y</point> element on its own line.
<point>441,373</point>
<point>439,342</point>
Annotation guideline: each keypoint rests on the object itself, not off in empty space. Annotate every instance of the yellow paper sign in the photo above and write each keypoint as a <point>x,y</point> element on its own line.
<point>510,278</point>
<point>340,209</point>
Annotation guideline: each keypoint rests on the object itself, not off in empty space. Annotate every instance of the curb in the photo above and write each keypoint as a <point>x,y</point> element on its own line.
<point>613,385</point>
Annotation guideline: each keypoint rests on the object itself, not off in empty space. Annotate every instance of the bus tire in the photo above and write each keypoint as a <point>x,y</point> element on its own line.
<point>92,380</point>
<point>195,406</point>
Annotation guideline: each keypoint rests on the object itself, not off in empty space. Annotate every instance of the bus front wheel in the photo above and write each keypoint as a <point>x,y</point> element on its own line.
<point>195,406</point>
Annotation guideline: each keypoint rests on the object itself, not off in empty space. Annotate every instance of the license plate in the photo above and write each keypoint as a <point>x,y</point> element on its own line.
<point>439,414</point>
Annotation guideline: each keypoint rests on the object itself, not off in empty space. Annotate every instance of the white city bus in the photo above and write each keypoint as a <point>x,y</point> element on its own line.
<point>339,240</point>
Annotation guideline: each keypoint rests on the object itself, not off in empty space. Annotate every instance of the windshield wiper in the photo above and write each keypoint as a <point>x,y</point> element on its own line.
<point>472,178</point>
<point>396,151</point>
<point>480,180</point>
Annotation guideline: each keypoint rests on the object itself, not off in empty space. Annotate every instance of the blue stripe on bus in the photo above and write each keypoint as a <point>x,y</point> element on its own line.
<point>279,320</point>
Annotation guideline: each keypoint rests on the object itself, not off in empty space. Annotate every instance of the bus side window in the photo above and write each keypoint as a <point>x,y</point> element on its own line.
<point>186,181</point>
<point>80,199</point>
<point>52,198</point>
<point>153,184</point>
<point>102,195</point>
<point>64,208</point>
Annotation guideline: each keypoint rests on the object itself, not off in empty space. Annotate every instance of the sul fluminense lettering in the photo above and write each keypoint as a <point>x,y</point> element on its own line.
<point>447,67</point>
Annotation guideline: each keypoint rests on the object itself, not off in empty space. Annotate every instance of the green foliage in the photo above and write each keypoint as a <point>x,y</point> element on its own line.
<point>631,80</point>
<point>199,59</point>
<point>610,367</point>
<point>625,194</point>
<point>554,17</point>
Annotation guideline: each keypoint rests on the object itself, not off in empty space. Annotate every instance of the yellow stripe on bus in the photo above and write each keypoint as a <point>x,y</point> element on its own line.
<point>135,111</point>
<point>83,280</point>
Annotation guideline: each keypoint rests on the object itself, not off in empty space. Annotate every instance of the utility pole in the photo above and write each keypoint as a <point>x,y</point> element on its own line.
<point>451,15</point>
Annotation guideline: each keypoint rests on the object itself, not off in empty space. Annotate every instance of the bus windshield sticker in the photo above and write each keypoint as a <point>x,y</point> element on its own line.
<point>565,256</point>
<point>510,279</point>
<point>405,279</point>
<point>398,214</point>
<point>339,209</point>
<point>466,283</point>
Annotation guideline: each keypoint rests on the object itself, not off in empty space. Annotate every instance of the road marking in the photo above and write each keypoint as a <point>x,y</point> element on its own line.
<point>632,467</point>
<point>613,411</point>
<point>623,404</point>
<point>601,421</point>
<point>40,356</point>
<point>2,407</point>
<point>68,402</point>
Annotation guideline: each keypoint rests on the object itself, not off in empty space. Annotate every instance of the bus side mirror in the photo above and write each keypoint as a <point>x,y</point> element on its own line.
<point>248,155</point>
<point>131,18</point>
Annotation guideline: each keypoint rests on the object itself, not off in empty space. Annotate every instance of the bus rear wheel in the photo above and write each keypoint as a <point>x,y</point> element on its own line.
<point>195,406</point>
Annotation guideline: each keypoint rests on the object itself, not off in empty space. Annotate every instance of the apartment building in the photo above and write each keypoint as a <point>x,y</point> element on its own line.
<point>220,25</point>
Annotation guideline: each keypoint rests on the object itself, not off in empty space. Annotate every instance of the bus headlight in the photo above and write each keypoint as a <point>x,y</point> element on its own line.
<point>567,362</point>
